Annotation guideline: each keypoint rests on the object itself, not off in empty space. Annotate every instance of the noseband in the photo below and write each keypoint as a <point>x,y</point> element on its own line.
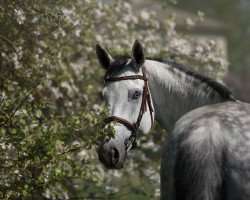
<point>133,127</point>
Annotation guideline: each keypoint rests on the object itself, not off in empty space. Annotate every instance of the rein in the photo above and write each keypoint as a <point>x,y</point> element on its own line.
<point>133,127</point>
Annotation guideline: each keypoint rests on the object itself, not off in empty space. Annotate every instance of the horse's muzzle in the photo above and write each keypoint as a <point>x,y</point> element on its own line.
<point>111,157</point>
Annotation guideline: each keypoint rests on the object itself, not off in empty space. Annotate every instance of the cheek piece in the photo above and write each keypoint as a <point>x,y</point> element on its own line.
<point>133,127</point>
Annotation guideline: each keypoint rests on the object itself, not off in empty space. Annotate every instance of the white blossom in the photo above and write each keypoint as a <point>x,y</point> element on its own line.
<point>87,1</point>
<point>144,15</point>
<point>77,32</point>
<point>190,22</point>
<point>20,17</point>
<point>127,6</point>
<point>157,192</point>
<point>98,13</point>
<point>21,112</point>
<point>199,49</point>
<point>121,25</point>
<point>56,92</point>
<point>3,145</point>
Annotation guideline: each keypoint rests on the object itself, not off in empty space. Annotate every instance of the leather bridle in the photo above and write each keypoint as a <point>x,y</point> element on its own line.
<point>133,127</point>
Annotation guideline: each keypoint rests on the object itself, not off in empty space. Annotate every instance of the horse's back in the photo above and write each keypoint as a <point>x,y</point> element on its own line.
<point>207,156</point>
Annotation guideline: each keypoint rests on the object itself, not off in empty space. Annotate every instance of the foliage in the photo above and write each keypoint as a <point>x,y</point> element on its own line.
<point>44,116</point>
<point>237,34</point>
<point>49,110</point>
<point>237,27</point>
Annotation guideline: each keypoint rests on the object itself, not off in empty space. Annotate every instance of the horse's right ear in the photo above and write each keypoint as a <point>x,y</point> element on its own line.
<point>103,56</point>
<point>137,54</point>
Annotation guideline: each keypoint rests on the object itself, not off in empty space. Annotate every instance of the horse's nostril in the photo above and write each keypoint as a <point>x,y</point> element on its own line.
<point>114,155</point>
<point>101,158</point>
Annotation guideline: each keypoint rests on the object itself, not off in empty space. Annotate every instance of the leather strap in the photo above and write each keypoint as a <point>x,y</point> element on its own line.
<point>145,100</point>
<point>126,123</point>
<point>111,79</point>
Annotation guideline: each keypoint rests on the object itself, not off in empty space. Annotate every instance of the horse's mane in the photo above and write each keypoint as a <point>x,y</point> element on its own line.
<point>120,62</point>
<point>222,90</point>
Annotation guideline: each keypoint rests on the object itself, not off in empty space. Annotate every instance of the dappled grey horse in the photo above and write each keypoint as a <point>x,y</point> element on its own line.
<point>207,153</point>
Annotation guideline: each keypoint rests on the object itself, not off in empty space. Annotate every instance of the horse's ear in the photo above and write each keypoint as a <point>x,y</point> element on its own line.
<point>137,54</point>
<point>103,56</point>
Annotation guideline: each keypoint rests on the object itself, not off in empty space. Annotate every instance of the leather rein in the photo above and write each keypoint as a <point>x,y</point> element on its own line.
<point>133,127</point>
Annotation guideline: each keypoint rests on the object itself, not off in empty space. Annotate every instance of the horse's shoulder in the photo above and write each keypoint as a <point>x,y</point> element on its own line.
<point>215,113</point>
<point>204,143</point>
<point>213,122</point>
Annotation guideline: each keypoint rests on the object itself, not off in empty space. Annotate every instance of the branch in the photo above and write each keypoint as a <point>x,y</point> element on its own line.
<point>18,106</point>
<point>3,38</point>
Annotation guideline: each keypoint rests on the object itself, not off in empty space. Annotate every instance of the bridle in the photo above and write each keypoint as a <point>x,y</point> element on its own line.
<point>133,127</point>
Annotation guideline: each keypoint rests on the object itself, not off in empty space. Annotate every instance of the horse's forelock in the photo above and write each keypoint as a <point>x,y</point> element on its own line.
<point>117,65</point>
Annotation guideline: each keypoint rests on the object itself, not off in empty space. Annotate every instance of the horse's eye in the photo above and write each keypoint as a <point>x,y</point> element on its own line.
<point>101,95</point>
<point>136,95</point>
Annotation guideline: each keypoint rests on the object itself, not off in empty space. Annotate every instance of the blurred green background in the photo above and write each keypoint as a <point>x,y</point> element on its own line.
<point>234,15</point>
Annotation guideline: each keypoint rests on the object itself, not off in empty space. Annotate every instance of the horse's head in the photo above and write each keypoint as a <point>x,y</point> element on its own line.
<point>127,95</point>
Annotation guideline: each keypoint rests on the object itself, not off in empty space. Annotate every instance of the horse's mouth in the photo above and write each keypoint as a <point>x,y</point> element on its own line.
<point>113,166</point>
<point>113,163</point>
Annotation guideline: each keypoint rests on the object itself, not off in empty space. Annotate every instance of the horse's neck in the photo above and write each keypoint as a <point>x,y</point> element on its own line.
<point>174,93</point>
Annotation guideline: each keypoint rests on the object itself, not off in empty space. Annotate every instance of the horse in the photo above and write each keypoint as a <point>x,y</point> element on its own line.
<point>206,155</point>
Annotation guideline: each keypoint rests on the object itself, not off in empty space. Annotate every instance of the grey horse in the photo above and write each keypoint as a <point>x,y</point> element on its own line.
<point>207,153</point>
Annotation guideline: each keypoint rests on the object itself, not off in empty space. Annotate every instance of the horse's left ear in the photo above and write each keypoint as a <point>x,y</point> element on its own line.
<point>105,59</point>
<point>137,54</point>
